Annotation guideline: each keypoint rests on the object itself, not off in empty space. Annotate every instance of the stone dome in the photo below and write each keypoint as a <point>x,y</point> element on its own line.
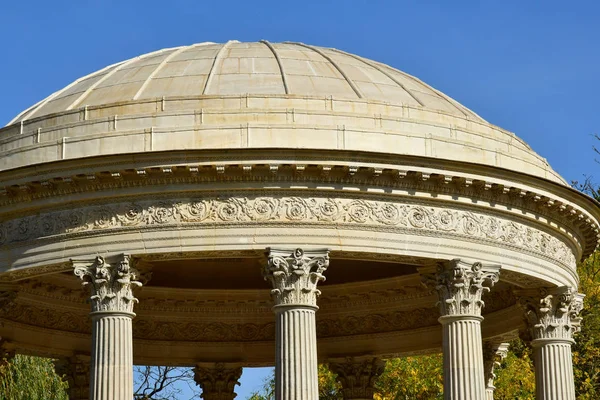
<point>207,93</point>
<point>235,68</point>
<point>202,169</point>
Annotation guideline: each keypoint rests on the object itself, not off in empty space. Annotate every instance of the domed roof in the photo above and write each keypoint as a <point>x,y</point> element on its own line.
<point>258,95</point>
<point>240,68</point>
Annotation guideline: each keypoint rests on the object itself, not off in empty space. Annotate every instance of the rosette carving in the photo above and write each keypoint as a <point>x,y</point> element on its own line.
<point>218,382</point>
<point>289,210</point>
<point>358,376</point>
<point>110,284</point>
<point>553,314</point>
<point>460,286</point>
<point>295,275</point>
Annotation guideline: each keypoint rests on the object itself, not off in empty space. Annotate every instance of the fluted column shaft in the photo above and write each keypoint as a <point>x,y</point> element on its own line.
<point>489,394</point>
<point>296,365</point>
<point>493,354</point>
<point>460,287</point>
<point>111,296</point>
<point>553,318</point>
<point>294,276</point>
<point>554,380</point>
<point>111,368</point>
<point>463,358</point>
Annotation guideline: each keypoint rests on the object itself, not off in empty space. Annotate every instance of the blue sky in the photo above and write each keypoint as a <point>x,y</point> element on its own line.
<point>529,67</point>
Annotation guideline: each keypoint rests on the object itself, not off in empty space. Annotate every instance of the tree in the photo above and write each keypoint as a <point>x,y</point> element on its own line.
<point>586,350</point>
<point>515,378</point>
<point>31,378</point>
<point>419,377</point>
<point>329,388</point>
<point>162,382</point>
<point>34,378</point>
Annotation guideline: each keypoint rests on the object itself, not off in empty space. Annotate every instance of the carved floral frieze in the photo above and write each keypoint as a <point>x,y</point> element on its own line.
<point>289,210</point>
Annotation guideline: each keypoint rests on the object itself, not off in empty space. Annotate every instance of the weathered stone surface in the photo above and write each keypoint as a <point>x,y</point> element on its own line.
<point>493,354</point>
<point>294,276</point>
<point>217,381</point>
<point>111,364</point>
<point>358,376</point>
<point>552,316</point>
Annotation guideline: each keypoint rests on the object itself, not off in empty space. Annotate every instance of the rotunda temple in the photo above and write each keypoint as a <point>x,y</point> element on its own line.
<point>257,204</point>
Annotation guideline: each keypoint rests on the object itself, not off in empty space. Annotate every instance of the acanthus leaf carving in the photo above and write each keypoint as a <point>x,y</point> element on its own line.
<point>294,276</point>
<point>493,354</point>
<point>461,285</point>
<point>552,313</point>
<point>217,382</point>
<point>358,377</point>
<point>110,284</point>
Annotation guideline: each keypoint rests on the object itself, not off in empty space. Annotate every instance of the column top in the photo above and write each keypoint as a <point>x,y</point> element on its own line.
<point>552,314</point>
<point>295,274</point>
<point>111,283</point>
<point>460,286</point>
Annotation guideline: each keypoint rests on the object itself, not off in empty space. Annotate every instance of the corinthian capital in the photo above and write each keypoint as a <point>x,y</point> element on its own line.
<point>358,377</point>
<point>76,371</point>
<point>110,283</point>
<point>460,286</point>
<point>552,314</point>
<point>217,382</point>
<point>493,354</point>
<point>295,274</point>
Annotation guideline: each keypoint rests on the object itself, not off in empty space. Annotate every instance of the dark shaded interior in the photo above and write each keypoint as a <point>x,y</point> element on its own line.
<point>245,273</point>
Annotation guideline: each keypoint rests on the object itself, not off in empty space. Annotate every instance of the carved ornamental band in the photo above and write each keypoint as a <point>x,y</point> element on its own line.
<point>110,284</point>
<point>358,377</point>
<point>217,382</point>
<point>553,314</point>
<point>460,286</point>
<point>294,275</point>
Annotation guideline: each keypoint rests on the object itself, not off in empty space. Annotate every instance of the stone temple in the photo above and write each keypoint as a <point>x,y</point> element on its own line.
<point>203,193</point>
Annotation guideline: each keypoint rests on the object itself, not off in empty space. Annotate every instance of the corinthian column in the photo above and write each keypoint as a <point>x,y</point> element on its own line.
<point>358,376</point>
<point>76,371</point>
<point>294,276</point>
<point>552,318</point>
<point>493,354</point>
<point>111,366</point>
<point>217,381</point>
<point>460,286</point>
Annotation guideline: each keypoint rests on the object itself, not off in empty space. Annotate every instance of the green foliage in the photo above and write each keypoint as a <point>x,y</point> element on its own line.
<point>586,351</point>
<point>31,378</point>
<point>267,392</point>
<point>329,387</point>
<point>515,378</point>
<point>418,378</point>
